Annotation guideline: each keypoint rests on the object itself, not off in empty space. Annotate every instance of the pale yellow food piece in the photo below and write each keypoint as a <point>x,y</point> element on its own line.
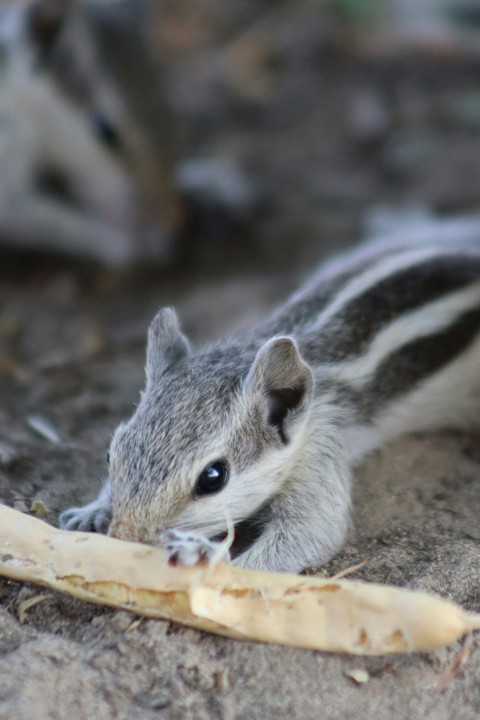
<point>332,615</point>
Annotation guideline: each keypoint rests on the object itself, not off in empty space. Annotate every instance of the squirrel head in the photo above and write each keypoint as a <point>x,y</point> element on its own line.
<point>213,436</point>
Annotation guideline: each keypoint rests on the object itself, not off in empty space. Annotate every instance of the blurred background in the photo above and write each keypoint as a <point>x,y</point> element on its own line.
<point>205,154</point>
<point>202,155</point>
<point>140,133</point>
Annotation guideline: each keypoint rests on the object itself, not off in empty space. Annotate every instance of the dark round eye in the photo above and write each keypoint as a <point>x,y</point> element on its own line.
<point>108,457</point>
<point>106,131</point>
<point>212,479</point>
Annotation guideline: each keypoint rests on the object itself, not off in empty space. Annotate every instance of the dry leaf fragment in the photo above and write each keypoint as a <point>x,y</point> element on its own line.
<point>349,570</point>
<point>333,615</point>
<point>28,604</point>
<point>358,675</point>
<point>459,661</point>
<point>134,624</point>
<point>39,509</point>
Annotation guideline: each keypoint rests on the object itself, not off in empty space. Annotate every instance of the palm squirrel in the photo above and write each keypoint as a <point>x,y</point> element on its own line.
<point>262,429</point>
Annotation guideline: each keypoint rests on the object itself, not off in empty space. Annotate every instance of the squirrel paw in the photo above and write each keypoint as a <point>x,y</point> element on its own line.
<point>189,548</point>
<point>94,517</point>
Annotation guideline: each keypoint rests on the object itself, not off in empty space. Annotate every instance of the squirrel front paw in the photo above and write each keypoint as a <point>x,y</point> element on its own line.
<point>94,517</point>
<point>190,548</point>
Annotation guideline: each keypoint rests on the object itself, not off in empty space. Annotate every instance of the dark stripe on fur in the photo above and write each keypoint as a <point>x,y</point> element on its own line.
<point>301,311</point>
<point>350,332</point>
<point>420,359</point>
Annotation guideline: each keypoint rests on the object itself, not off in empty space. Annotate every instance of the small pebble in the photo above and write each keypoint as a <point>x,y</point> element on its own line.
<point>222,682</point>
<point>154,698</point>
<point>8,455</point>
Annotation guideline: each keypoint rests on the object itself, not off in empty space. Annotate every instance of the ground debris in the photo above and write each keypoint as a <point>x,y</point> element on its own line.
<point>358,675</point>
<point>459,661</point>
<point>44,428</point>
<point>27,604</point>
<point>8,454</point>
<point>39,509</point>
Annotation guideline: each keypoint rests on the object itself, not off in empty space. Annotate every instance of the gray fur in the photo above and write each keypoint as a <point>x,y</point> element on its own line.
<point>166,345</point>
<point>380,342</point>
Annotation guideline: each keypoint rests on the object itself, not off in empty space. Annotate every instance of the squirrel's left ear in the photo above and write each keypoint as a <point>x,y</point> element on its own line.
<point>282,381</point>
<point>166,344</point>
<point>45,20</point>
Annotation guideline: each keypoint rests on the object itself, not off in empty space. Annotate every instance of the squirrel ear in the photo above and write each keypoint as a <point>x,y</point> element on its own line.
<point>45,20</point>
<point>166,345</point>
<point>283,379</point>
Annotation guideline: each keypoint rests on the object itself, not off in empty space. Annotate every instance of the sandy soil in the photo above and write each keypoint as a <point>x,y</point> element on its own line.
<point>71,352</point>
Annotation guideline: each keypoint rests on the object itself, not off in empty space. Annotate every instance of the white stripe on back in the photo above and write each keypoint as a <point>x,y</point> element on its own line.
<point>418,323</point>
<point>387,267</point>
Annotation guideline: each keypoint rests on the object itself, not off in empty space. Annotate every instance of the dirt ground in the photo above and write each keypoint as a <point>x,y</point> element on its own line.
<point>328,134</point>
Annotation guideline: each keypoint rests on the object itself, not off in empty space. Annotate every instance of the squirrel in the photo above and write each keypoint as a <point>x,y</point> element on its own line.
<point>91,162</point>
<point>87,168</point>
<point>262,430</point>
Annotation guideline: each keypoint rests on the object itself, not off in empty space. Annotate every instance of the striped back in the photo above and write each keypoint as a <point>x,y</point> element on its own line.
<point>387,317</point>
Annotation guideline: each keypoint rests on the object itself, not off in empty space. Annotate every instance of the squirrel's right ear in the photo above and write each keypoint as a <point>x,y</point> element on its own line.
<point>166,344</point>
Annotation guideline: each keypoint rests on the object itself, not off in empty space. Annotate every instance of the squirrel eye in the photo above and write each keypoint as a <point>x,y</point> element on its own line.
<point>108,457</point>
<point>212,479</point>
<point>105,131</point>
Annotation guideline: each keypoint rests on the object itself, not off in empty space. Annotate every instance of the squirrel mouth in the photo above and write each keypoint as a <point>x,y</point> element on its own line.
<point>247,531</point>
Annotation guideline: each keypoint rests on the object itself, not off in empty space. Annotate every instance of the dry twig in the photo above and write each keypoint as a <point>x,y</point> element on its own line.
<point>333,615</point>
